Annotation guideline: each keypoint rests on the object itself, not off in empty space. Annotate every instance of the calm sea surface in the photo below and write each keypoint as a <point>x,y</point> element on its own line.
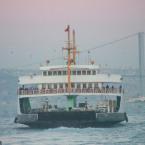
<point>131,133</point>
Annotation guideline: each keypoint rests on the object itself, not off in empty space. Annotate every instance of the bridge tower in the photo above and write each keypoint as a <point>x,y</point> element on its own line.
<point>141,63</point>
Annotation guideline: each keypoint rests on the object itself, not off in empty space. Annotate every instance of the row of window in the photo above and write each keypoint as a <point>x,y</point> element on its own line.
<point>73,85</point>
<point>64,85</point>
<point>64,72</point>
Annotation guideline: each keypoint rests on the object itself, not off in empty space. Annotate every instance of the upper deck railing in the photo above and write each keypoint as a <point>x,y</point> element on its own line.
<point>36,91</point>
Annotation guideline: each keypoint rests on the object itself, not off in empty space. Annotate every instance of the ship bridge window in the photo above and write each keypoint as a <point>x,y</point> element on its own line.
<point>84,86</point>
<point>61,86</point>
<point>83,72</point>
<point>90,85</point>
<point>49,86</point>
<point>64,72</point>
<point>43,86</point>
<point>88,72</point>
<point>72,85</point>
<point>78,85</point>
<point>66,85</point>
<point>96,85</point>
<point>55,86</point>
<point>49,73</point>
<point>59,73</point>
<point>54,73</point>
<point>74,72</point>
<point>78,72</point>
<point>44,73</point>
<point>94,72</point>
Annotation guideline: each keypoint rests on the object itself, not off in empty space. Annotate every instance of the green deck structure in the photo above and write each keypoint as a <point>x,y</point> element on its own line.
<point>71,101</point>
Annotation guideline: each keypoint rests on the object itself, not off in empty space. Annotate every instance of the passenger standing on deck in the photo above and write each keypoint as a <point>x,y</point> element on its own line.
<point>120,89</point>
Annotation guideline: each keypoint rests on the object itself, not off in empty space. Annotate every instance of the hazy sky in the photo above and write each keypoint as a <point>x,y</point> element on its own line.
<point>32,31</point>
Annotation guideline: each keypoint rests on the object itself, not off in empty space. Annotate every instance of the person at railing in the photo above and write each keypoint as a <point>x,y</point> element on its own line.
<point>26,91</point>
<point>112,89</point>
<point>20,91</point>
<point>36,91</point>
<point>55,106</point>
<point>107,88</point>
<point>120,89</point>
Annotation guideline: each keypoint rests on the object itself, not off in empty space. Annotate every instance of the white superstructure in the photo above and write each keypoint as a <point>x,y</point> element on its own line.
<point>85,79</point>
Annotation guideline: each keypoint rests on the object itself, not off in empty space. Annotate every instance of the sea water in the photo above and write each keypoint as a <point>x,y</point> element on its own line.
<point>131,133</point>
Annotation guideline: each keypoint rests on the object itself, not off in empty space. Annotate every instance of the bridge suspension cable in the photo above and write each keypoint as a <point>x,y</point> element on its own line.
<point>110,43</point>
<point>88,50</point>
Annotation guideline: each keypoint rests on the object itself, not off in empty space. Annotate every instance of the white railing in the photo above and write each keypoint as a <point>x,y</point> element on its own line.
<point>30,91</point>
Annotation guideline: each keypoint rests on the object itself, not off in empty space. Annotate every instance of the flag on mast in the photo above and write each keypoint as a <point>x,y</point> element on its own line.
<point>67,29</point>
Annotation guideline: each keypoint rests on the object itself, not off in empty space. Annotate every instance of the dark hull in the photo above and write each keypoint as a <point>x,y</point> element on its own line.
<point>79,119</point>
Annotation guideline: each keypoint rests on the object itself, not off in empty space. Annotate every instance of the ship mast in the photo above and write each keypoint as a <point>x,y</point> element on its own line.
<point>71,55</point>
<point>68,49</point>
<point>69,61</point>
<point>74,48</point>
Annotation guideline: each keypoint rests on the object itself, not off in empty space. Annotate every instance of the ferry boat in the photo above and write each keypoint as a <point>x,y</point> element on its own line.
<point>70,95</point>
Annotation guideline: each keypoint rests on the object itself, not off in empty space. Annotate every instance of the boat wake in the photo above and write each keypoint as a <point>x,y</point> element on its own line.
<point>136,99</point>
